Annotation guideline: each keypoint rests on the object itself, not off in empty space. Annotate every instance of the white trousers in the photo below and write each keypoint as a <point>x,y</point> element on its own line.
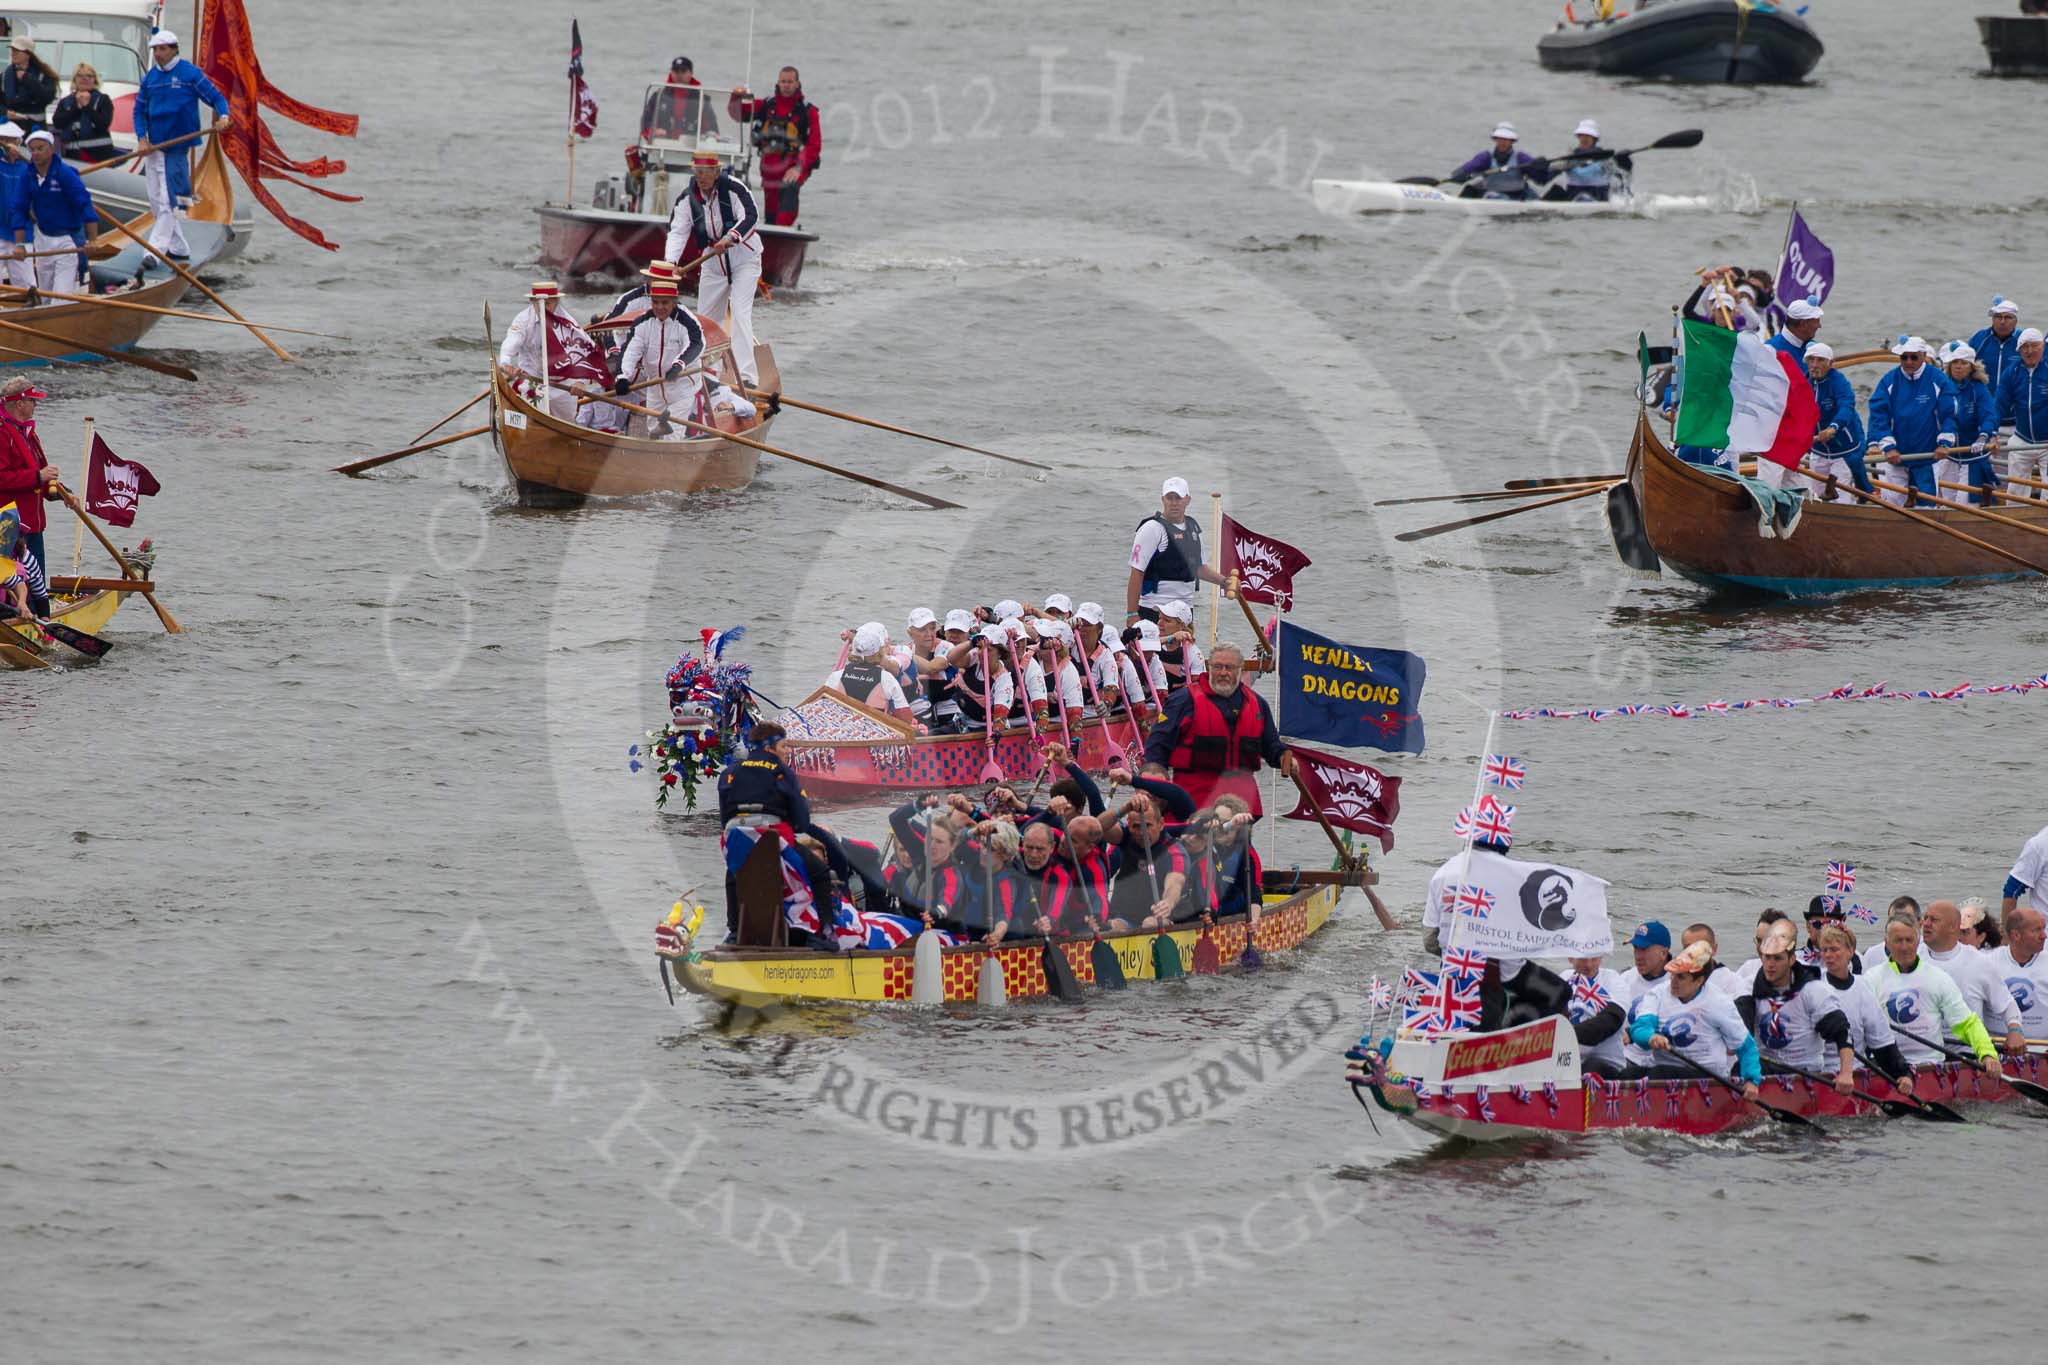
<point>715,294</point>
<point>1893,473</point>
<point>1774,475</point>
<point>2028,464</point>
<point>166,233</point>
<point>1838,470</point>
<point>22,274</point>
<point>60,272</point>
<point>678,400</point>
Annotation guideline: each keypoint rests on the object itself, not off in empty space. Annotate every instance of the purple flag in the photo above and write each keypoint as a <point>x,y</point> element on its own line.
<point>1806,270</point>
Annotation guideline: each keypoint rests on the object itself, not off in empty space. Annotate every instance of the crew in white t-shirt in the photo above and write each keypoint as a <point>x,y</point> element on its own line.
<point>2023,967</point>
<point>2029,875</point>
<point>1982,986</point>
<point>1652,944</point>
<point>1599,1012</point>
<point>866,677</point>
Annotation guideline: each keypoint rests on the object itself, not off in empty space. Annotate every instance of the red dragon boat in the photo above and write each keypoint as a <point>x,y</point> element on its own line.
<point>1525,1082</point>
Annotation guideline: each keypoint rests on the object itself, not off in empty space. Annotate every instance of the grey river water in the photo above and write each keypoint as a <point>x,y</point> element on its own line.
<point>328,1022</point>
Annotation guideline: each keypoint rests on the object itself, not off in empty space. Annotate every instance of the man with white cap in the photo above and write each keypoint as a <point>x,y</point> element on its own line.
<point>2023,406</point>
<point>1501,172</point>
<point>1838,441</point>
<point>716,213</point>
<point>919,667</point>
<point>1178,654</point>
<point>663,352</point>
<point>14,177</point>
<point>166,108</point>
<point>1589,170</point>
<point>59,213</point>
<point>1912,415</point>
<point>1166,557</point>
<point>1802,324</point>
<point>864,678</point>
<point>1998,345</point>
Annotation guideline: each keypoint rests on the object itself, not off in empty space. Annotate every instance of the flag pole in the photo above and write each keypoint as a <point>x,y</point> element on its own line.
<point>78,534</point>
<point>1215,589</point>
<point>1450,938</point>
<point>570,200</point>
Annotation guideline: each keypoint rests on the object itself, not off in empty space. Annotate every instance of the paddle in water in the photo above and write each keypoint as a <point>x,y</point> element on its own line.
<point>2037,1093</point>
<point>1929,1108</point>
<point>1892,1108</point>
<point>1784,1116</point>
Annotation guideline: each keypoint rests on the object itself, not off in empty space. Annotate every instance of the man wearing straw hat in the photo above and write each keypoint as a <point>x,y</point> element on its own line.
<point>167,108</point>
<point>664,344</point>
<point>716,211</point>
<point>525,351</point>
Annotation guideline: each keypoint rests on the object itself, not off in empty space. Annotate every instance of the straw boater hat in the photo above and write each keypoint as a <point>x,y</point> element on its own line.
<point>662,270</point>
<point>544,289</point>
<point>662,289</point>
<point>704,159</point>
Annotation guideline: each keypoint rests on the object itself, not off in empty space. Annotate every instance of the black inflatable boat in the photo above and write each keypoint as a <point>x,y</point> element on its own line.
<point>1717,41</point>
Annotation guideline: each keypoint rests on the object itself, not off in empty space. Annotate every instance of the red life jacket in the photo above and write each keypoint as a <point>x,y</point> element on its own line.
<point>1210,745</point>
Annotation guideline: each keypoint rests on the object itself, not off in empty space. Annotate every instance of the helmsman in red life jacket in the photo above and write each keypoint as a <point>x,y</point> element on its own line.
<point>789,136</point>
<point>1217,733</point>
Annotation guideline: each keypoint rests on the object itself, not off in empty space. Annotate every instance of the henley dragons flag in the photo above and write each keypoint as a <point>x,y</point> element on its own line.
<point>1743,396</point>
<point>1349,795</point>
<point>115,487</point>
<point>1265,567</point>
<point>1347,696</point>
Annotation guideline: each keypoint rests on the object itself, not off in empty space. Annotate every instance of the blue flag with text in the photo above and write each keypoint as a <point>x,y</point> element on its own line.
<point>1340,694</point>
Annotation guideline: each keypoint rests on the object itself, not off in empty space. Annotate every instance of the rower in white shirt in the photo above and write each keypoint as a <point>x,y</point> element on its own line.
<point>1983,988</point>
<point>2024,968</point>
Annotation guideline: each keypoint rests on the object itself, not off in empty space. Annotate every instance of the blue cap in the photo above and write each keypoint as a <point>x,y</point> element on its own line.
<point>1651,934</point>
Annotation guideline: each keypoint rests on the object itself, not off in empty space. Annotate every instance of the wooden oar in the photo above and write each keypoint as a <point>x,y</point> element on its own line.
<point>1892,1108</point>
<point>68,345</point>
<point>358,466</point>
<point>134,582</point>
<point>106,302</point>
<point>608,396</point>
<point>822,411</point>
<point>193,280</point>
<point>1954,506</point>
<point>1784,1116</point>
<point>92,646</point>
<point>702,430</point>
<point>1428,531</point>
<point>1499,496</point>
<point>131,157</point>
<point>2037,1093</point>
<point>1927,521</point>
<point>1933,1107</point>
<point>98,249</point>
<point>18,656</point>
<point>480,396</point>
<point>1563,481</point>
<point>73,586</point>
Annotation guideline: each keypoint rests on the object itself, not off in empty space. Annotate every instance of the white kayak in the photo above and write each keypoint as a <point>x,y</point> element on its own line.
<point>1346,197</point>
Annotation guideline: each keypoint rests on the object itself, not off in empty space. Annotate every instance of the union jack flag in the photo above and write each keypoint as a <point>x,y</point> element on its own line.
<point>1875,690</point>
<point>1475,901</point>
<point>2038,681</point>
<point>1459,1002</point>
<point>1862,914</point>
<point>1415,985</point>
<point>1550,1095</point>
<point>1505,770</point>
<point>1485,1105</point>
<point>1494,822</point>
<point>1520,1092</point>
<point>1674,1100</point>
<point>1846,689</point>
<point>1380,993</point>
<point>1633,709</point>
<point>1841,876</point>
<point>1714,707</point>
<point>1830,902</point>
<point>1587,991</point>
<point>1461,825</point>
<point>1599,713</point>
<point>1958,690</point>
<point>1465,962</point>
<point>799,906</point>
<point>875,930</point>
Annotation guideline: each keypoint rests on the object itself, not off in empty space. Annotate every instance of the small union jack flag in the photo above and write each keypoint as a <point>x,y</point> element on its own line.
<point>1485,1105</point>
<point>1494,823</point>
<point>1461,825</point>
<point>1830,902</point>
<point>1465,961</point>
<point>1380,993</point>
<point>1715,707</point>
<point>1459,1005</point>
<point>1415,985</point>
<point>1841,876</point>
<point>1587,991</point>
<point>1550,1095</point>
<point>1863,914</point>
<point>1475,901</point>
<point>1960,689</point>
<point>1505,770</point>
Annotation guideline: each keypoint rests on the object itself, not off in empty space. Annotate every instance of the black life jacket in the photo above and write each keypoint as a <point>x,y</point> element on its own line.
<point>1181,560</point>
<point>1134,890</point>
<point>782,134</point>
<point>859,681</point>
<point>754,788</point>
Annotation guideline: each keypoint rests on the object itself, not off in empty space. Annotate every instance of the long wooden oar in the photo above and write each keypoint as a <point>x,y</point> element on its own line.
<point>135,581</point>
<point>823,411</point>
<point>72,344</point>
<point>480,396</point>
<point>1785,1116</point>
<point>193,280</point>
<point>1954,506</point>
<point>1563,481</point>
<point>702,430</point>
<point>130,157</point>
<point>105,302</point>
<point>356,467</point>
<point>99,249</point>
<point>2037,1093</point>
<point>1493,496</point>
<point>1426,532</point>
<point>1929,522</point>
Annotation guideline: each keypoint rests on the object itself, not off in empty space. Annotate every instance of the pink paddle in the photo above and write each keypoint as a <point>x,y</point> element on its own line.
<point>1057,694</point>
<point>990,771</point>
<point>1088,676</point>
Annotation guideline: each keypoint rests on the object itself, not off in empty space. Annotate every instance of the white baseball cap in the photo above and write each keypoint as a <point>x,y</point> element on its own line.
<point>1089,613</point>
<point>1586,128</point>
<point>1019,628</point>
<point>163,37</point>
<point>994,635</point>
<point>2028,334</point>
<point>1952,351</point>
<point>870,638</point>
<point>1059,601</point>
<point>1176,487</point>
<point>1177,609</point>
<point>1908,345</point>
<point>1803,310</point>
<point>959,619</point>
<point>11,129</point>
<point>2000,304</point>
<point>1506,130</point>
<point>1148,637</point>
<point>922,617</point>
<point>43,135</point>
<point>1007,608</point>
<point>1819,350</point>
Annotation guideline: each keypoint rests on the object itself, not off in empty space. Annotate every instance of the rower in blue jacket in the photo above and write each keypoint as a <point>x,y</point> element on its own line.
<point>1802,325</point>
<point>14,178</point>
<point>56,212</point>
<point>1501,172</point>
<point>1976,426</point>
<point>2023,406</point>
<point>1912,415</point>
<point>1838,440</point>
<point>1998,346</point>
<point>166,108</point>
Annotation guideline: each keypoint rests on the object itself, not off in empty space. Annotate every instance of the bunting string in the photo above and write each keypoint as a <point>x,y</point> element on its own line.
<point>1883,691</point>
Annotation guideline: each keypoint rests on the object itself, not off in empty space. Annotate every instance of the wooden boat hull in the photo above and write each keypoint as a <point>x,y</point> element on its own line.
<point>90,614</point>
<point>553,463</point>
<point>585,243</point>
<point>757,978</point>
<point>1694,41</point>
<point>1704,527</point>
<point>1694,1108</point>
<point>124,195</point>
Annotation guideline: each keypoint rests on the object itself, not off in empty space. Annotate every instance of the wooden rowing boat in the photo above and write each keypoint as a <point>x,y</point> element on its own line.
<point>758,977</point>
<point>89,613</point>
<point>842,748</point>
<point>1704,527</point>
<point>553,463</point>
<point>1541,1091</point>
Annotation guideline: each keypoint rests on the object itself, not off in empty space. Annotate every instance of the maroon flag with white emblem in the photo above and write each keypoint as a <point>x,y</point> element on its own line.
<point>115,487</point>
<point>1353,796</point>
<point>582,104</point>
<point>1265,567</point>
<point>572,355</point>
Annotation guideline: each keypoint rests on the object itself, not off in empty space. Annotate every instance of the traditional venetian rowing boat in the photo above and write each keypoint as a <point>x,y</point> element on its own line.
<point>1343,198</point>
<point>843,748</point>
<point>553,463</point>
<point>1703,526</point>
<point>1525,1082</point>
<point>758,977</point>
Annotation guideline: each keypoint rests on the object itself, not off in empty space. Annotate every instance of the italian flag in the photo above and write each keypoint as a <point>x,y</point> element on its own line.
<point>1744,396</point>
